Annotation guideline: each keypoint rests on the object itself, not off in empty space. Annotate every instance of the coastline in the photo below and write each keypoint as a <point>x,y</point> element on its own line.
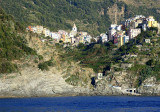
<point>76,95</point>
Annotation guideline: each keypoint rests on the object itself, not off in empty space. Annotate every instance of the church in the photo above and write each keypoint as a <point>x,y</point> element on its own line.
<point>73,33</point>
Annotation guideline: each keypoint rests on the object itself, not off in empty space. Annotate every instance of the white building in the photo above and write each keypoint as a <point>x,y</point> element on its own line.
<point>134,32</point>
<point>104,37</point>
<point>34,29</point>
<point>147,41</point>
<point>100,76</point>
<point>39,29</point>
<point>126,39</point>
<point>55,35</point>
<point>144,27</point>
<point>62,32</point>
<point>111,33</point>
<point>87,39</point>
<point>119,27</point>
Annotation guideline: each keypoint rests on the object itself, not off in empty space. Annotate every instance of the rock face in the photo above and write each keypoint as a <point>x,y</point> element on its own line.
<point>32,82</point>
<point>150,87</point>
<point>115,14</point>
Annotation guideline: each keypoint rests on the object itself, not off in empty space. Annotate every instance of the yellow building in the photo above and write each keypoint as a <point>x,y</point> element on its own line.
<point>63,38</point>
<point>152,22</point>
<point>81,39</point>
<point>67,39</point>
<point>120,41</point>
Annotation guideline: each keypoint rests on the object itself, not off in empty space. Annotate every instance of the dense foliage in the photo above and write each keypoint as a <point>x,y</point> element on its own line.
<point>89,15</point>
<point>12,46</point>
<point>96,56</point>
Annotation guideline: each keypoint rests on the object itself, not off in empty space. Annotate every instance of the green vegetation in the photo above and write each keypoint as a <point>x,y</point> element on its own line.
<point>8,67</point>
<point>45,65</point>
<point>60,14</point>
<point>152,66</point>
<point>96,56</point>
<point>89,15</point>
<point>73,80</point>
<point>103,57</point>
<point>12,46</point>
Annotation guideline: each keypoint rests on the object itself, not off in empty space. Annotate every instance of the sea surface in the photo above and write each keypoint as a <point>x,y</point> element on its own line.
<point>81,104</point>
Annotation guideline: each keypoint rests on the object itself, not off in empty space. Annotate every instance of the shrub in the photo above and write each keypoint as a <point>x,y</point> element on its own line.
<point>43,66</point>
<point>8,67</point>
<point>73,80</point>
<point>40,57</point>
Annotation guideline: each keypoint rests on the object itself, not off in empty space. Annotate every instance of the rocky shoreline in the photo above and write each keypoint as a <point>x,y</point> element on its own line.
<point>32,82</point>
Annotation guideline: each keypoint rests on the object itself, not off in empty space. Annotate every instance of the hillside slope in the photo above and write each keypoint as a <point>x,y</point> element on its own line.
<point>30,67</point>
<point>13,45</point>
<point>93,16</point>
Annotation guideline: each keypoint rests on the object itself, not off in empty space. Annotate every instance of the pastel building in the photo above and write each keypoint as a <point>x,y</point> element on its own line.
<point>152,22</point>
<point>111,33</point>
<point>73,40</point>
<point>121,41</point>
<point>115,39</point>
<point>39,29</point>
<point>125,39</point>
<point>104,37</point>
<point>134,32</point>
<point>87,39</point>
<point>83,33</point>
<point>62,32</point>
<point>138,22</point>
<point>158,27</point>
<point>67,39</point>
<point>46,32</point>
<point>34,29</point>
<point>55,36</point>
<point>30,28</point>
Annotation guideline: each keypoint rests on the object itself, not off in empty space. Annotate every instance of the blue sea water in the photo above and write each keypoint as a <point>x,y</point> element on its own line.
<point>81,104</point>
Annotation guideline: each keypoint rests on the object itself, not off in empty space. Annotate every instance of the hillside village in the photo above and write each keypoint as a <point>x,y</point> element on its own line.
<point>74,37</point>
<point>120,34</point>
<point>98,66</point>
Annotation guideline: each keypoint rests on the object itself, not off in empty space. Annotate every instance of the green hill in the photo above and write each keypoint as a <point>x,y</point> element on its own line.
<point>12,44</point>
<point>108,59</point>
<point>93,16</point>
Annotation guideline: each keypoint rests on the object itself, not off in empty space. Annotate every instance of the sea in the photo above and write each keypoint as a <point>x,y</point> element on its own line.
<point>81,104</point>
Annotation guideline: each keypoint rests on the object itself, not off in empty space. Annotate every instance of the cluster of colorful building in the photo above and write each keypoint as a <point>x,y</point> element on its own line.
<point>74,37</point>
<point>131,28</point>
<point>119,34</point>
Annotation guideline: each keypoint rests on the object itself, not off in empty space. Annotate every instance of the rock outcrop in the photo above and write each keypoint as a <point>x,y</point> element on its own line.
<point>32,82</point>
